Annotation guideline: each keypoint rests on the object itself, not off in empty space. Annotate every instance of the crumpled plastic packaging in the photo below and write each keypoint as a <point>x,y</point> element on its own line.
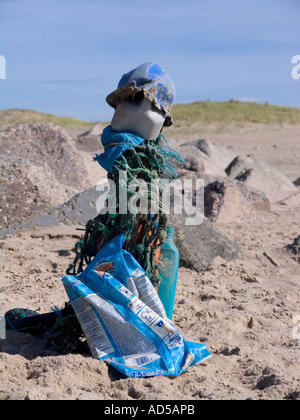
<point>123,319</point>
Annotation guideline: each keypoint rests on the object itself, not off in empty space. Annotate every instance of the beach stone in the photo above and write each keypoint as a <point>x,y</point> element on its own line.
<point>265,381</point>
<point>48,143</point>
<point>27,187</point>
<point>40,167</point>
<point>294,248</point>
<point>260,176</point>
<point>90,140</point>
<point>297,182</point>
<point>220,155</point>
<point>227,201</point>
<point>78,210</point>
<point>192,159</point>
<point>199,245</point>
<point>197,161</point>
<point>96,130</point>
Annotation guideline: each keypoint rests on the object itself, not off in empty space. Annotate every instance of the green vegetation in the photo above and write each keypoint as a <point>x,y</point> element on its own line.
<point>205,113</point>
<point>234,111</point>
<point>17,116</point>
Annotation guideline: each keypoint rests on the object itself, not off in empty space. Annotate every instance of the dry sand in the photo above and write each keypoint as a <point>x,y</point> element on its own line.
<point>245,311</point>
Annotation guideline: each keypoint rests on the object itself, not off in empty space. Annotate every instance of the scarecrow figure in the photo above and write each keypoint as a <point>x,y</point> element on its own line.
<point>135,147</point>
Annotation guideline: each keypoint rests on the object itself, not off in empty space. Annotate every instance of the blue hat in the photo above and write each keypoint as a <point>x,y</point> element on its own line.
<point>155,84</point>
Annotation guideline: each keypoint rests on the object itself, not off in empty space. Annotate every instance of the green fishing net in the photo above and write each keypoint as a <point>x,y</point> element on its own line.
<point>145,232</point>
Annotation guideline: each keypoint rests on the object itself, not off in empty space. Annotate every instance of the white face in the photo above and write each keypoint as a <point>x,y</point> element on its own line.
<point>140,117</point>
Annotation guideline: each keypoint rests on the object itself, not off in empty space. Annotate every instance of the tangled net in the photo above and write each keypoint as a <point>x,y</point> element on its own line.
<point>145,232</point>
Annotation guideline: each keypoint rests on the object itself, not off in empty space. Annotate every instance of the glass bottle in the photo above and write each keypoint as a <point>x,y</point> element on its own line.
<point>168,271</point>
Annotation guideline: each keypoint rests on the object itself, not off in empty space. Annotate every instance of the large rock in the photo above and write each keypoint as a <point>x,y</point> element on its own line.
<point>76,211</point>
<point>198,245</point>
<point>94,131</point>
<point>260,176</point>
<point>40,167</point>
<point>27,186</point>
<point>227,201</point>
<point>90,141</point>
<point>197,161</point>
<point>192,159</point>
<point>220,155</point>
<point>48,143</point>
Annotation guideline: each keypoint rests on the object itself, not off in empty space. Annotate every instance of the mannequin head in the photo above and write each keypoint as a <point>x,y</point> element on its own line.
<point>143,101</point>
<point>140,115</point>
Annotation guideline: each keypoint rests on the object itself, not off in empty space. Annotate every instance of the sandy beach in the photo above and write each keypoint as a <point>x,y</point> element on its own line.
<point>246,311</point>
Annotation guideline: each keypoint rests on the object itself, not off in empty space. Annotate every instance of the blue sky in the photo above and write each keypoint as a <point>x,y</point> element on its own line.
<point>65,56</point>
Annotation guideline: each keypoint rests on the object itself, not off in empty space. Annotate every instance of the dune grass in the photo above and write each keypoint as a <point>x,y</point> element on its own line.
<point>205,112</point>
<point>235,111</point>
<point>10,117</point>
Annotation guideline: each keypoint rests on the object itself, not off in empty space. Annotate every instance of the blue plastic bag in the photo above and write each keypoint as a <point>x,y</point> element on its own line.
<point>123,319</point>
